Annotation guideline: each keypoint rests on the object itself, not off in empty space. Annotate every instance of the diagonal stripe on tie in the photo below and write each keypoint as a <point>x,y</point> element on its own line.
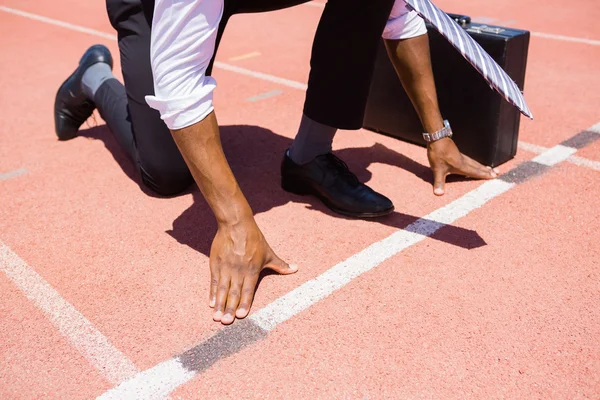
<point>472,52</point>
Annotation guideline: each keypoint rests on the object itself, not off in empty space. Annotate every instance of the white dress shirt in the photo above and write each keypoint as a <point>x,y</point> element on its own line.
<point>183,43</point>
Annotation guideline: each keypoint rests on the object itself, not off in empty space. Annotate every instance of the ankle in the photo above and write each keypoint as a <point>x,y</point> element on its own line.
<point>312,140</point>
<point>94,77</point>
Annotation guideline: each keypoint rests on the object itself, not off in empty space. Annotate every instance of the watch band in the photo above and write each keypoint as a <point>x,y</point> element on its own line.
<point>446,131</point>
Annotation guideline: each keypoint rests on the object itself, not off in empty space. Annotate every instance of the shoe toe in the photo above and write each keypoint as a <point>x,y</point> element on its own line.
<point>375,203</point>
<point>65,127</point>
<point>382,203</point>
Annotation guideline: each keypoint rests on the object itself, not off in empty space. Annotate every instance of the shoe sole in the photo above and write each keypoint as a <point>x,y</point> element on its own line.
<point>306,191</point>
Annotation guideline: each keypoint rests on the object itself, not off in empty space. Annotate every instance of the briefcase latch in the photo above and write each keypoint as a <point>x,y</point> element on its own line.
<point>485,29</point>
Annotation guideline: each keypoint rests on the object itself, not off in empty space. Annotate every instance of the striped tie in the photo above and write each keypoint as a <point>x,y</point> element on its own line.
<point>472,51</point>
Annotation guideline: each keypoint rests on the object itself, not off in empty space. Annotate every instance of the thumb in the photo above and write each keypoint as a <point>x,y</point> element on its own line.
<point>439,182</point>
<point>281,267</point>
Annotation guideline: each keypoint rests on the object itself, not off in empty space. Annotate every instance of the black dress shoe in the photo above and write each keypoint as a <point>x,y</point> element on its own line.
<point>71,106</point>
<point>328,178</point>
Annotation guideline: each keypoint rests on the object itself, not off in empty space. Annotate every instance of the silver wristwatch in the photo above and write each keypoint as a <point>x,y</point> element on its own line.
<point>446,131</point>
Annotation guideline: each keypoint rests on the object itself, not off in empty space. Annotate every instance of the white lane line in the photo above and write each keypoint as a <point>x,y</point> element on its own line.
<point>265,96</point>
<point>244,71</point>
<point>341,274</point>
<point>580,161</point>
<point>509,22</point>
<point>566,38</point>
<point>533,148</point>
<point>225,66</point>
<point>483,20</point>
<point>555,155</point>
<point>56,22</point>
<point>157,382</point>
<point>12,174</point>
<point>488,20</point>
<point>94,346</point>
<point>218,64</point>
<point>584,162</point>
<point>245,56</point>
<point>173,368</point>
<point>286,82</point>
<point>260,75</point>
<point>595,128</point>
<point>171,374</point>
<point>221,65</point>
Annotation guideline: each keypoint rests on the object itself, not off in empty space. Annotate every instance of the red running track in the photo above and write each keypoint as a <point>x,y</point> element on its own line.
<point>101,281</point>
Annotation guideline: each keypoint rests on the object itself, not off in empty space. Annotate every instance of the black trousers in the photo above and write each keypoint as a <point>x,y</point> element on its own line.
<point>342,62</point>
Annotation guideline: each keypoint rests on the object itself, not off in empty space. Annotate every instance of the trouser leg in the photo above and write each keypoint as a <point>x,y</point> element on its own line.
<point>160,163</point>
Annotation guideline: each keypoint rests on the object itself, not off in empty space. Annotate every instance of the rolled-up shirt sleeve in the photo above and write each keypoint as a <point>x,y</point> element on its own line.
<point>182,44</point>
<point>403,23</point>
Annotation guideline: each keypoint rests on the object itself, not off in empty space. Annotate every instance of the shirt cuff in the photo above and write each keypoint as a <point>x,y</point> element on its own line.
<point>181,112</point>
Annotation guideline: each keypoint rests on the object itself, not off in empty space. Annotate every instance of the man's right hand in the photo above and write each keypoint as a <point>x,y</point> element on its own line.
<point>239,250</point>
<point>238,254</point>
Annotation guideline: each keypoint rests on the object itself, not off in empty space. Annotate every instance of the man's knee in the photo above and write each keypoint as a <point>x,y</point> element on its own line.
<point>166,180</point>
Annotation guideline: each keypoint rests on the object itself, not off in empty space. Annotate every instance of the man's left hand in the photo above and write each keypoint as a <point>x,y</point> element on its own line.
<point>445,159</point>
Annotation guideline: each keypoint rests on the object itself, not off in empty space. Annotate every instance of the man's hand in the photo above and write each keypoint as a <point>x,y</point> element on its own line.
<point>445,159</point>
<point>412,62</point>
<point>239,250</point>
<point>237,256</point>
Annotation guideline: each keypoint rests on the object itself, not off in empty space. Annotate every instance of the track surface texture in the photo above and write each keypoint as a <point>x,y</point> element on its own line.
<point>490,291</point>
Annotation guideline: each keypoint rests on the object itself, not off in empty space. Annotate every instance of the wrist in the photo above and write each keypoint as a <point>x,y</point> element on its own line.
<point>232,209</point>
<point>443,133</point>
<point>236,214</point>
<point>433,125</point>
<point>235,218</point>
<point>439,144</point>
<point>431,118</point>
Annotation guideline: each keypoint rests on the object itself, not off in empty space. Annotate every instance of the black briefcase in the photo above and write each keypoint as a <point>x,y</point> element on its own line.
<point>485,125</point>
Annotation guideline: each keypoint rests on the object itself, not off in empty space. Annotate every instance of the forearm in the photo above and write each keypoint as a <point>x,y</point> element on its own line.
<point>412,62</point>
<point>200,145</point>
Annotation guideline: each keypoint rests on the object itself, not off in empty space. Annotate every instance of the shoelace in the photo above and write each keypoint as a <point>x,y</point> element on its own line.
<point>340,168</point>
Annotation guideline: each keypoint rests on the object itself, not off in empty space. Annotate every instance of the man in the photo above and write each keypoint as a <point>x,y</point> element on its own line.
<point>168,67</point>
